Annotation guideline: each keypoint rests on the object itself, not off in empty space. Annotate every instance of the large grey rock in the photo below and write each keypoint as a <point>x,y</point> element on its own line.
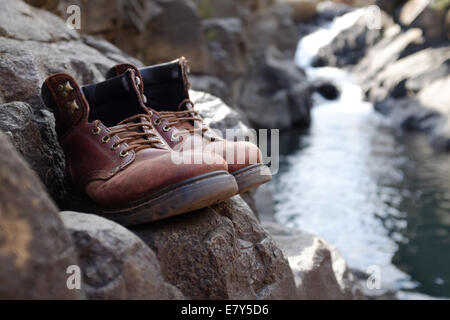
<point>412,72</point>
<point>218,115</point>
<point>389,6</point>
<point>220,252</point>
<point>114,262</point>
<point>34,137</point>
<point>387,51</point>
<point>421,14</point>
<point>303,10</point>
<point>23,22</point>
<point>35,248</point>
<point>227,47</point>
<point>264,202</point>
<point>273,26</point>
<point>212,85</point>
<point>428,111</point>
<point>320,271</point>
<point>233,8</point>
<point>174,31</point>
<point>25,64</point>
<point>413,91</point>
<point>352,43</point>
<point>276,93</point>
<point>447,24</point>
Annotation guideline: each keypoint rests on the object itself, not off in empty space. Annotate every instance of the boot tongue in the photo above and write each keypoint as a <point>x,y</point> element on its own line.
<point>115,99</point>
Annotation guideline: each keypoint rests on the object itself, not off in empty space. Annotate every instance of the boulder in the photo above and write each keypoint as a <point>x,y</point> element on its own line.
<point>409,114</point>
<point>272,26</point>
<point>412,72</point>
<point>114,262</point>
<point>264,202</point>
<point>212,85</point>
<point>217,115</point>
<point>303,10</point>
<point>17,17</point>
<point>326,89</point>
<point>412,115</point>
<point>413,91</point>
<point>421,14</point>
<point>447,24</point>
<point>44,4</point>
<point>233,8</point>
<point>389,6</point>
<point>220,252</point>
<point>276,93</point>
<point>427,111</point>
<point>320,271</point>
<point>176,31</point>
<point>351,44</point>
<point>35,248</point>
<point>34,136</point>
<point>329,10</point>
<point>388,50</point>
<point>227,47</point>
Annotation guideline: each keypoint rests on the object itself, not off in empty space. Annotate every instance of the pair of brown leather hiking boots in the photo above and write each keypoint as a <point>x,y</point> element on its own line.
<point>137,151</point>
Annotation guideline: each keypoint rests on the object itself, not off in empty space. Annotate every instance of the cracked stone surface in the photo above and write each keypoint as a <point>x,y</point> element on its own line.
<point>35,248</point>
<point>220,252</point>
<point>115,263</point>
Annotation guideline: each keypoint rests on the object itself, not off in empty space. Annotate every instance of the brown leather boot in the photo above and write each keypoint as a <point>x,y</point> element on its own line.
<point>120,166</point>
<point>166,89</point>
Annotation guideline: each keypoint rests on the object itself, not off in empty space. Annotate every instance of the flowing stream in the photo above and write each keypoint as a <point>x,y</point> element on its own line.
<point>380,196</point>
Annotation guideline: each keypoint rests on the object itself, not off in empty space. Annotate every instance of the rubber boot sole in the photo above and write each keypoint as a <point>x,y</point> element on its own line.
<point>252,176</point>
<point>189,195</point>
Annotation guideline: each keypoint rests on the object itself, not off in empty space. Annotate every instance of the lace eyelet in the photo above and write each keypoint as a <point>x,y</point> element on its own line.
<point>68,87</point>
<point>115,146</point>
<point>72,106</point>
<point>138,81</point>
<point>150,114</point>
<point>157,122</point>
<point>123,154</point>
<point>166,128</point>
<point>105,139</point>
<point>144,98</point>
<point>174,138</point>
<point>96,131</point>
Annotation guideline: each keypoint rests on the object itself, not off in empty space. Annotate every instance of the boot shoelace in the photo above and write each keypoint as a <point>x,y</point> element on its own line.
<point>135,139</point>
<point>175,118</point>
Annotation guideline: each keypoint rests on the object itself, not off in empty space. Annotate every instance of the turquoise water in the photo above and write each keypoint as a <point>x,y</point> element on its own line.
<point>382,197</point>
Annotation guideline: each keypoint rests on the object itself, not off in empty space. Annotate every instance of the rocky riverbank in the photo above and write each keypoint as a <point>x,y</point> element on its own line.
<point>403,66</point>
<point>221,252</point>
